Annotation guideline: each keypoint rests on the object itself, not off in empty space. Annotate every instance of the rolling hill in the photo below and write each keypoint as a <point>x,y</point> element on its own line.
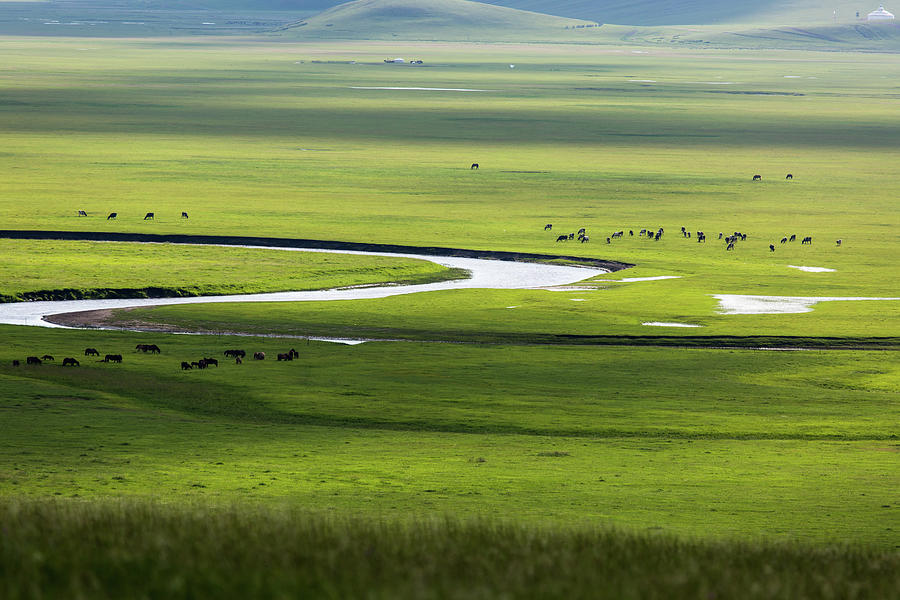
<point>432,20</point>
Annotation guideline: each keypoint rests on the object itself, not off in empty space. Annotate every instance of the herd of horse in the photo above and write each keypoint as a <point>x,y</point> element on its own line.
<point>150,216</point>
<point>656,234</point>
<point>203,363</point>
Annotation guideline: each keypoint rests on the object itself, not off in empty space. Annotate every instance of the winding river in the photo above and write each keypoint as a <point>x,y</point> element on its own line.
<point>484,274</point>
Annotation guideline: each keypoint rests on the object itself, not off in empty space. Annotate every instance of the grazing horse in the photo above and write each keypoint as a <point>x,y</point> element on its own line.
<point>148,216</point>
<point>784,240</point>
<point>186,366</point>
<point>70,362</point>
<point>285,356</point>
<point>562,238</point>
<point>112,216</point>
<point>548,226</point>
<point>757,178</point>
<point>47,357</point>
<point>116,358</point>
<point>200,364</point>
<point>184,215</point>
<point>789,176</point>
<point>259,356</point>
<point>293,353</point>
<point>32,360</point>
<point>806,240</point>
<point>91,352</point>
<point>582,230</point>
<point>771,247</point>
<point>147,348</point>
<point>474,166</point>
<point>235,353</point>
<point>211,361</point>
<point>81,213</point>
<point>838,242</point>
<point>793,237</point>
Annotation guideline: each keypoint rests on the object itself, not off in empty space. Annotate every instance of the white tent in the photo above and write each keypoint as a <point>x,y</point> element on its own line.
<point>880,15</point>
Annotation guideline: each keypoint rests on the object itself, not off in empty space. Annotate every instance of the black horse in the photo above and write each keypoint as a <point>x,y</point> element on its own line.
<point>112,216</point>
<point>757,178</point>
<point>474,166</point>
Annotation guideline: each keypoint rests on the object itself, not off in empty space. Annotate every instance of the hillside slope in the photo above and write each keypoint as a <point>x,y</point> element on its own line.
<point>431,20</point>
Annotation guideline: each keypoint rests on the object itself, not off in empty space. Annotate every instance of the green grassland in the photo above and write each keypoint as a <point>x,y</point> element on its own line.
<point>723,444</point>
<point>276,138</point>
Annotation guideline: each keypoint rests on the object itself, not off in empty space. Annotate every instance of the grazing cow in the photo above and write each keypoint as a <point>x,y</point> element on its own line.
<point>238,361</point>
<point>200,364</point>
<point>112,216</point>
<point>184,215</point>
<point>784,240</point>
<point>211,361</point>
<point>793,237</point>
<point>757,178</point>
<point>116,358</point>
<point>730,246</point>
<point>806,240</point>
<point>474,166</point>
<point>285,356</point>
<point>16,363</point>
<point>294,353</point>
<point>70,362</point>
<point>91,352</point>
<point>81,213</point>
<point>548,226</point>
<point>47,357</point>
<point>32,360</point>
<point>587,239</point>
<point>259,356</point>
<point>186,366</point>
<point>562,238</point>
<point>235,353</point>
<point>771,247</point>
<point>149,216</point>
<point>789,176</point>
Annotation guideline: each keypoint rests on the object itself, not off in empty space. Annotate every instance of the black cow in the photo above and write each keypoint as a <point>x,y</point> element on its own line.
<point>562,238</point>
<point>148,216</point>
<point>112,216</point>
<point>70,362</point>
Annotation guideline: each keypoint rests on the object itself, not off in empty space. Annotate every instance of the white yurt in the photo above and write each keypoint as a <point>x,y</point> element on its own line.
<point>880,15</point>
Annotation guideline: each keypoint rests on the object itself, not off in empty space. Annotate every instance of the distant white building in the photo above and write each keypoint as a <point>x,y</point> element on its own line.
<point>880,15</point>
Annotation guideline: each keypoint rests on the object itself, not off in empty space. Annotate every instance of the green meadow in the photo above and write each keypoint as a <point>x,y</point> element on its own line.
<point>530,430</point>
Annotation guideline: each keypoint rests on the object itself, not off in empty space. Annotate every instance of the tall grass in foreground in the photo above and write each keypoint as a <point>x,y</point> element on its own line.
<point>132,549</point>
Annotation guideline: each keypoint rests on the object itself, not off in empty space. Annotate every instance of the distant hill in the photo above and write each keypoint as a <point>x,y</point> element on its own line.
<point>432,20</point>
